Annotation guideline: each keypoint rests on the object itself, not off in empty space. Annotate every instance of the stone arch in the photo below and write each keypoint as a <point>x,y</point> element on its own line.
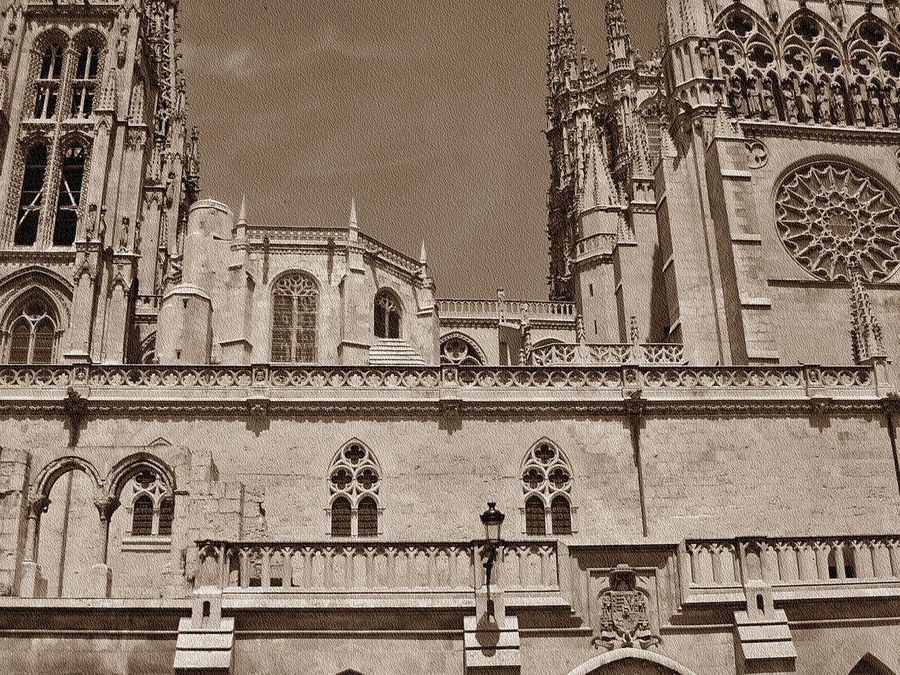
<point>384,295</point>
<point>47,37</point>
<point>476,353</point>
<point>21,282</point>
<point>89,36</point>
<point>805,13</point>
<point>664,665</point>
<point>52,471</point>
<point>130,466</point>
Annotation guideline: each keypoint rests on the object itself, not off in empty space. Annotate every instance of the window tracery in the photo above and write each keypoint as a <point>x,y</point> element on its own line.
<point>32,334</point>
<point>387,315</point>
<point>830,214</point>
<point>814,86</point>
<point>150,503</point>
<point>354,481</point>
<point>875,69</point>
<point>294,319</point>
<point>50,167</point>
<point>456,350</point>
<point>547,487</point>
<point>748,61</point>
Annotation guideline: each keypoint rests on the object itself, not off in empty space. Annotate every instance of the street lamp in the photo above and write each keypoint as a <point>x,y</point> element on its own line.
<point>492,520</point>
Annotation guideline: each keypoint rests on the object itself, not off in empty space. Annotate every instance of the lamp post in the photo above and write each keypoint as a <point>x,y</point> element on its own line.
<point>492,520</point>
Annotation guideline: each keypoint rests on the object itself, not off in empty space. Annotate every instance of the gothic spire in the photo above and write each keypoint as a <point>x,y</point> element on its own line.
<point>562,49</point>
<point>865,327</point>
<point>598,189</point>
<point>620,52</point>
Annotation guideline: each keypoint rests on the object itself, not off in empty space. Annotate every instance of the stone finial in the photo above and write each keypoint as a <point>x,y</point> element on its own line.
<point>242,214</point>
<point>423,255</point>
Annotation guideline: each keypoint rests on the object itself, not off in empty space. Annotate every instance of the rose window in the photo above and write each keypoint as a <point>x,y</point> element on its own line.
<point>831,214</point>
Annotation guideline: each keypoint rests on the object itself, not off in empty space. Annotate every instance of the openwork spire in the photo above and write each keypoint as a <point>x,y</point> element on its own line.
<point>620,52</point>
<point>865,327</point>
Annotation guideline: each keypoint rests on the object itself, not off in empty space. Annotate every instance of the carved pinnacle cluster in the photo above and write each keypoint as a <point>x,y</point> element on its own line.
<point>865,327</point>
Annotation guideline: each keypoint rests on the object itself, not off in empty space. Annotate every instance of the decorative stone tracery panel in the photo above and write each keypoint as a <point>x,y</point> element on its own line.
<point>829,214</point>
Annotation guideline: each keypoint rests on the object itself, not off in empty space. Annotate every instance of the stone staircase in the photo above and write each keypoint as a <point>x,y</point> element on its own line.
<point>393,352</point>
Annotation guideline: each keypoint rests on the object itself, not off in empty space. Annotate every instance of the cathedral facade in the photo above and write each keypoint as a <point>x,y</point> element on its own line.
<point>228,446</point>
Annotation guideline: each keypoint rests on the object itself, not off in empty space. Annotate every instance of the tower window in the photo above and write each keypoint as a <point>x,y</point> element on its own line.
<point>32,335</point>
<point>85,82</point>
<point>72,177</point>
<point>387,315</point>
<point>152,504</point>
<point>32,197</point>
<point>47,85</point>
<point>294,318</point>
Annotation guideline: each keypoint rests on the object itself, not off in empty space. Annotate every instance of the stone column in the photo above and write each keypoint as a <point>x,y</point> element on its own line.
<point>33,585</point>
<point>79,332</point>
<point>101,572</point>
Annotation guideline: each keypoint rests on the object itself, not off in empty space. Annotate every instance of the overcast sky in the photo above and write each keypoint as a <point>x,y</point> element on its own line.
<point>429,112</point>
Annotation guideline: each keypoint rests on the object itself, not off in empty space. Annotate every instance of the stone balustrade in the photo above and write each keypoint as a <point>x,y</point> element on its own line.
<point>374,566</point>
<point>507,310</point>
<point>607,355</point>
<point>434,382</point>
<point>790,561</point>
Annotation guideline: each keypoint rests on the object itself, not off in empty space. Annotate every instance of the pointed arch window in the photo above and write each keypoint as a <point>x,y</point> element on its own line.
<point>32,197</point>
<point>48,82</point>
<point>387,315</point>
<point>84,82</point>
<point>354,482</point>
<point>70,182</point>
<point>151,503</point>
<point>32,335</point>
<point>547,487</point>
<point>295,300</point>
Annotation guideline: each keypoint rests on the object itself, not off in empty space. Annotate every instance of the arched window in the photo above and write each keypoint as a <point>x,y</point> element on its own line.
<point>48,81</point>
<point>32,197</point>
<point>340,517</point>
<point>547,486</point>
<point>150,500</point>
<point>84,82</point>
<point>354,481</point>
<point>32,334</point>
<point>294,319</point>
<point>387,315</point>
<point>142,516</point>
<point>748,63</point>
<point>71,179</point>
<point>535,518</point>
<point>458,350</point>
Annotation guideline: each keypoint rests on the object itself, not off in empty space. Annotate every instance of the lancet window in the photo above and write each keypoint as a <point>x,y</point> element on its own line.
<point>875,72</point>
<point>54,151</point>
<point>295,300</point>
<point>150,503</point>
<point>32,334</point>
<point>748,61</point>
<point>547,487</point>
<point>354,481</point>
<point>814,89</point>
<point>387,315</point>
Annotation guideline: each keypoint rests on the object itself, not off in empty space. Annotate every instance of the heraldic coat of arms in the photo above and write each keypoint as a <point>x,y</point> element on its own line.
<point>624,613</point>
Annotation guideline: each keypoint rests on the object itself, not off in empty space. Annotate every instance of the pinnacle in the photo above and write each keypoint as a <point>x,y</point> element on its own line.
<point>354,223</point>
<point>242,215</point>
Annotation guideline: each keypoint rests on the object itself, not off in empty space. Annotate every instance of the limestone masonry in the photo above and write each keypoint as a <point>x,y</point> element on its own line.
<point>227,446</point>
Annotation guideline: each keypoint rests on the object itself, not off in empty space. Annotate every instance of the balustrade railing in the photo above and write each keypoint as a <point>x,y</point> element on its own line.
<point>516,310</point>
<point>788,561</point>
<point>147,304</point>
<point>607,355</point>
<point>854,380</point>
<point>453,567</point>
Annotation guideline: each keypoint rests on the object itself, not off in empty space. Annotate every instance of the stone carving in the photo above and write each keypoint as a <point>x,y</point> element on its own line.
<point>757,153</point>
<point>830,213</point>
<point>624,613</point>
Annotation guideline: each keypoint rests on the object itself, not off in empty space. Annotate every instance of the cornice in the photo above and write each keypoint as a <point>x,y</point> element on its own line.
<point>820,132</point>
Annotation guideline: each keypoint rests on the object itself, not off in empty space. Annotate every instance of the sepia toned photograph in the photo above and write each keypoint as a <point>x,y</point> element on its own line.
<point>512,337</point>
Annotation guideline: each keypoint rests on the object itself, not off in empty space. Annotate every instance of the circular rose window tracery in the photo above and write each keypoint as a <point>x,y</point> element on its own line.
<point>829,214</point>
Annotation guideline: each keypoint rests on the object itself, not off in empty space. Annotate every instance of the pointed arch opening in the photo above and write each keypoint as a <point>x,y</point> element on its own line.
<point>31,330</point>
<point>547,487</point>
<point>388,314</point>
<point>458,349</point>
<point>295,306</point>
<point>354,485</point>
<point>32,193</point>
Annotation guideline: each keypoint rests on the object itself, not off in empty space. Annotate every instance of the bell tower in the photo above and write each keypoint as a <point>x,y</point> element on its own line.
<point>98,169</point>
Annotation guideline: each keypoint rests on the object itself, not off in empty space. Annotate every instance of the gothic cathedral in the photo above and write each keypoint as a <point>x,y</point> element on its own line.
<point>233,447</point>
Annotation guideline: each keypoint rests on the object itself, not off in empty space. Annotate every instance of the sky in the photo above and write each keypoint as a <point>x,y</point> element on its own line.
<point>429,112</point>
